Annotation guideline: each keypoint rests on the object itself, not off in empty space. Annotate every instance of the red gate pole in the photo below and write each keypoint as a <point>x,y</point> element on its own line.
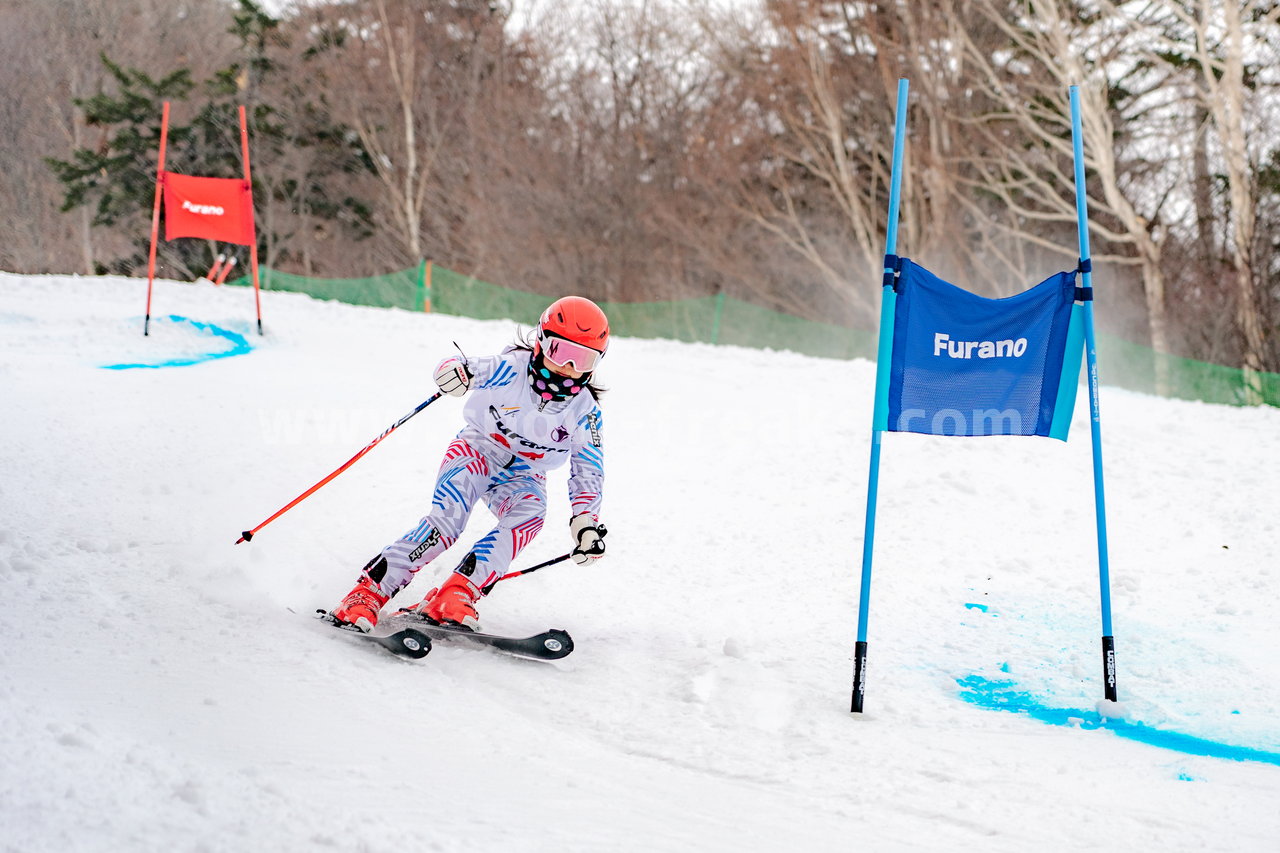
<point>155,215</point>
<point>253,247</point>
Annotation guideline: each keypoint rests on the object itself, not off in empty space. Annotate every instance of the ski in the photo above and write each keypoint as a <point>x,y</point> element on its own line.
<point>552,644</point>
<point>407,642</point>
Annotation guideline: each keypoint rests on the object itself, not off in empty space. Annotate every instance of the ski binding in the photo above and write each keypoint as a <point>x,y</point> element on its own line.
<point>407,642</point>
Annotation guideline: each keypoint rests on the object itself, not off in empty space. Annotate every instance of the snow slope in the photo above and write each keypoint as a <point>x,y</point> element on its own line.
<point>157,692</point>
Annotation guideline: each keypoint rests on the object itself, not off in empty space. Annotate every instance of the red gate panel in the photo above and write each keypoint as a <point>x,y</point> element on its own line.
<point>215,208</point>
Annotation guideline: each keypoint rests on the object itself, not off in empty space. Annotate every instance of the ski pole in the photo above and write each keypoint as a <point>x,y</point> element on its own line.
<point>222,276</point>
<point>212,274</point>
<point>550,562</point>
<point>248,534</point>
<point>509,575</point>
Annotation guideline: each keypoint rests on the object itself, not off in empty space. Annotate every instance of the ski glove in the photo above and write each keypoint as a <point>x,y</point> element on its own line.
<point>453,377</point>
<point>588,538</point>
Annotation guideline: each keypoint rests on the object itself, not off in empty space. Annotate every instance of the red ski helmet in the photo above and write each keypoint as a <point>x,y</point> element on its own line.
<point>577,321</point>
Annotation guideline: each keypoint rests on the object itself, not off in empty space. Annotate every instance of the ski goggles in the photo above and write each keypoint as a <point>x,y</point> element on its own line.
<point>561,353</point>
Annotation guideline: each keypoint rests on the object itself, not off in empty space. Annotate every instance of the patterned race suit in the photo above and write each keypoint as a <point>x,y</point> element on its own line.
<point>511,440</point>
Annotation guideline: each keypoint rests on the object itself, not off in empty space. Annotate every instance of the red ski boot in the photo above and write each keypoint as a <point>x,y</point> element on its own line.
<point>453,603</point>
<point>361,606</point>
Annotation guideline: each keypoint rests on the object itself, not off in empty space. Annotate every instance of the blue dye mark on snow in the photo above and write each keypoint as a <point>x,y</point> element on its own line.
<point>1004,667</point>
<point>1005,696</point>
<point>1187,777</point>
<point>981,607</point>
<point>239,346</point>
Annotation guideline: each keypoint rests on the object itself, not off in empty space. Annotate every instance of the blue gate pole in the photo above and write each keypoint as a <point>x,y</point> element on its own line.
<point>880,415</point>
<point>1095,419</point>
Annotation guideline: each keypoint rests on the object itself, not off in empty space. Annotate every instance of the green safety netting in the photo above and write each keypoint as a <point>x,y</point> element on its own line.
<point>1139,368</point>
<point>750,325</point>
<point>453,293</point>
<point>683,320</point>
<point>725,320</point>
<point>393,290</point>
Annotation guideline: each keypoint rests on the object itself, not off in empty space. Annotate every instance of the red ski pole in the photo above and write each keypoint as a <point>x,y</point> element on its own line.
<point>248,534</point>
<point>222,276</point>
<point>212,274</point>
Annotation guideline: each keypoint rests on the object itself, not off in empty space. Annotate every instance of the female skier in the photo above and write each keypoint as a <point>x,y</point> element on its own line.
<point>532,407</point>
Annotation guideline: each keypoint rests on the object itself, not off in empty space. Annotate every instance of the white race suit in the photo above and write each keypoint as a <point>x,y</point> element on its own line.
<point>511,439</point>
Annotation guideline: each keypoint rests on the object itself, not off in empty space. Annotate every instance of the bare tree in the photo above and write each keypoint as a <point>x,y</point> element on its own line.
<point>52,50</point>
<point>593,191</point>
<point>823,114</point>
<point>414,78</point>
<point>643,150</point>
<point>1050,48</point>
<point>401,162</point>
<point>1227,38</point>
<point>820,97</point>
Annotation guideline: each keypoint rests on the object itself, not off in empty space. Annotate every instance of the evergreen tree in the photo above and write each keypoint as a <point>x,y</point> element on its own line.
<point>118,177</point>
<point>297,152</point>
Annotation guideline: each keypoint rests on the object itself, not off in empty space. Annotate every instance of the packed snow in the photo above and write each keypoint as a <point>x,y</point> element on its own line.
<point>162,688</point>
